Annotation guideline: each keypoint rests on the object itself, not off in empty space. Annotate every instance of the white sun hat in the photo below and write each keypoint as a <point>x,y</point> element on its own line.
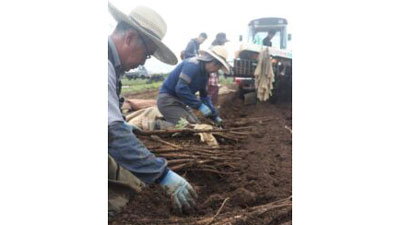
<point>219,53</point>
<point>150,23</point>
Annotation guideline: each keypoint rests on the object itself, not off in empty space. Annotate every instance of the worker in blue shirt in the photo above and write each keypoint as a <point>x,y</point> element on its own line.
<point>192,48</point>
<point>136,38</point>
<point>177,95</point>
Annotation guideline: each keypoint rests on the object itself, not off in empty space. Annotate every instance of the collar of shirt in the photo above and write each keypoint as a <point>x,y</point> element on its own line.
<point>201,64</point>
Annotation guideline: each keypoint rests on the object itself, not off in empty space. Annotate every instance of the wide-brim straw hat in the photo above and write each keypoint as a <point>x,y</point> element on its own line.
<point>149,23</point>
<point>219,53</point>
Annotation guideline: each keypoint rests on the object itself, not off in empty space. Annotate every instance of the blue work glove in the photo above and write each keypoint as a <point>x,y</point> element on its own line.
<point>182,194</point>
<point>205,110</point>
<point>218,121</point>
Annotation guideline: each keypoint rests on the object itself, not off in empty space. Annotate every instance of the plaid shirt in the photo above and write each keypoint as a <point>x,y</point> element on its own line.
<point>213,79</point>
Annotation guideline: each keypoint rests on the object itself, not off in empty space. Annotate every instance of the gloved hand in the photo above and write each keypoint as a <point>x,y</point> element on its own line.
<point>218,121</point>
<point>205,110</point>
<point>182,194</point>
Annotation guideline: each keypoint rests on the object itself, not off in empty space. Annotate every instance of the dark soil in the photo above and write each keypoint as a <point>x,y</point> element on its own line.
<point>265,174</point>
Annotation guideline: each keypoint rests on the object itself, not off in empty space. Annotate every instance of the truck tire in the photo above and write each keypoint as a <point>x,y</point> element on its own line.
<point>250,98</point>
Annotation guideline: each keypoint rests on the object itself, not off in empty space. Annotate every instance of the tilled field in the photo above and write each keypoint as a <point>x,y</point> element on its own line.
<point>254,189</point>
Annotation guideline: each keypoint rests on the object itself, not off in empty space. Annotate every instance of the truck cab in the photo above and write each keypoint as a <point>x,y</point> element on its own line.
<point>259,29</point>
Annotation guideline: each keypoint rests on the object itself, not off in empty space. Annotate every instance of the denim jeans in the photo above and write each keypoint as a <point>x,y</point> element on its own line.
<point>130,153</point>
<point>173,109</point>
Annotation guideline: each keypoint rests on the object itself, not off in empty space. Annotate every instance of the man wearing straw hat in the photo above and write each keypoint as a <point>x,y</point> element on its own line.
<point>177,94</point>
<point>135,39</point>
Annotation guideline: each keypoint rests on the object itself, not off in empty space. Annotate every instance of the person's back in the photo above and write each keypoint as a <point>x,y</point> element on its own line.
<point>192,48</point>
<point>170,82</point>
<point>194,66</point>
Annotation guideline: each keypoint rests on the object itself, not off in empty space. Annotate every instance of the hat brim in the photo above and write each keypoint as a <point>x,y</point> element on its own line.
<point>224,63</point>
<point>163,53</point>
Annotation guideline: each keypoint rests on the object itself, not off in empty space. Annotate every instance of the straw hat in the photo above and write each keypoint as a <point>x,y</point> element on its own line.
<point>149,23</point>
<point>219,53</point>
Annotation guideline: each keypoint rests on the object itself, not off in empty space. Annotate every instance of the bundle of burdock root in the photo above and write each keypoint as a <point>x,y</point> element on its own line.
<point>184,151</point>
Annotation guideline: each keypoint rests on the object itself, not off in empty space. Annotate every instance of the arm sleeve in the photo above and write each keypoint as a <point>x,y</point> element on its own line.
<point>204,98</point>
<point>114,113</point>
<point>182,89</point>
<point>130,153</point>
<point>190,50</point>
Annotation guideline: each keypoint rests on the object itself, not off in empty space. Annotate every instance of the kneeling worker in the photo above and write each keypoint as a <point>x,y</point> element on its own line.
<point>136,38</point>
<point>177,94</point>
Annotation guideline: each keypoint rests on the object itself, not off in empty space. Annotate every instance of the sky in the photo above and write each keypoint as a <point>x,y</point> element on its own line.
<point>187,19</point>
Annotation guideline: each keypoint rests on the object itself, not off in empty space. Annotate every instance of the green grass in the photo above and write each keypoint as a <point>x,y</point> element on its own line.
<point>140,85</point>
<point>225,81</point>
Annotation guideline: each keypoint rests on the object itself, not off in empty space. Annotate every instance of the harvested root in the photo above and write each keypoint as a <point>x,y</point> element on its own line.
<point>219,159</point>
<point>189,164</point>
<point>213,171</point>
<point>248,121</point>
<point>288,128</point>
<point>188,130</point>
<point>228,217</point>
<point>235,139</point>
<point>254,211</point>
<point>158,139</point>
<point>219,210</point>
<point>177,161</point>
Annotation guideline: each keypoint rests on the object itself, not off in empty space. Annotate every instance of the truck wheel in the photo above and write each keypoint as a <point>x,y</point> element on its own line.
<point>250,98</point>
<point>240,93</point>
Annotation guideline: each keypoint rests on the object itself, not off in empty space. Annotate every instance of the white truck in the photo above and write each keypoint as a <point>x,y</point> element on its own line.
<point>259,36</point>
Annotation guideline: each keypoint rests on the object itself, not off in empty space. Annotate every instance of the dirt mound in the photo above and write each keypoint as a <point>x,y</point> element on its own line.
<point>243,197</point>
<point>255,192</point>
